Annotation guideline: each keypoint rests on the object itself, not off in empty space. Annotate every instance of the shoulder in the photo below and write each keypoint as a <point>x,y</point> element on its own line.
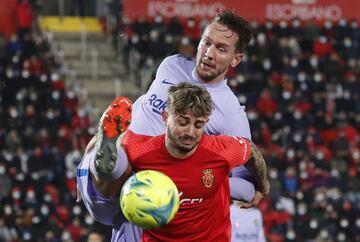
<point>136,145</point>
<point>219,143</point>
<point>176,60</point>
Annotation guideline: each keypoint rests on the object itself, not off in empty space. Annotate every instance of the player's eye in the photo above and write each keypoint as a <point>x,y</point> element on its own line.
<point>206,42</point>
<point>222,49</point>
<point>199,125</point>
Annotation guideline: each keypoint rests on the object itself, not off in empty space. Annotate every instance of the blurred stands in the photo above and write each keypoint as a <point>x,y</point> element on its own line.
<point>44,128</point>
<point>299,82</point>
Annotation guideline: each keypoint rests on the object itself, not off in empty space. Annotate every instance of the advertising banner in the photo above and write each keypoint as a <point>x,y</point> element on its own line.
<point>259,10</point>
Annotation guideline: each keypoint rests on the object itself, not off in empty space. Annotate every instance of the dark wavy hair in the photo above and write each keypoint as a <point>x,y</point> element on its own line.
<point>186,97</point>
<point>238,25</point>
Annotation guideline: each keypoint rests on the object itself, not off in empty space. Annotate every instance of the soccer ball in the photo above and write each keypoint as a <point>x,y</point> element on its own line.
<point>149,199</point>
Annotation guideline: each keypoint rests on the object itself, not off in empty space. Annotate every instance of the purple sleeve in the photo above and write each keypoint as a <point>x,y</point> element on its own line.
<point>241,189</point>
<point>127,232</point>
<point>103,210</point>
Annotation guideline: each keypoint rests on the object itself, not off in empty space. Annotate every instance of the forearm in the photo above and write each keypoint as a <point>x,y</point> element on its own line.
<point>257,166</point>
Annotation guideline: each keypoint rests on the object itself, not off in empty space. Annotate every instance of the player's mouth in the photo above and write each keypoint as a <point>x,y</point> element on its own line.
<point>206,66</point>
<point>187,141</point>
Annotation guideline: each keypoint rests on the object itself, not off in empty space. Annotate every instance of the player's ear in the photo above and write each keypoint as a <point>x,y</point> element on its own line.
<point>237,59</point>
<point>165,116</point>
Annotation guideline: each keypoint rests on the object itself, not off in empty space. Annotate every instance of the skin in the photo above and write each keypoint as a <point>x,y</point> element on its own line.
<point>183,133</point>
<point>216,53</point>
<point>95,237</point>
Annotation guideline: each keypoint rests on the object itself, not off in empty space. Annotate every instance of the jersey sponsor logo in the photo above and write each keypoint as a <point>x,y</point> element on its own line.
<point>158,105</point>
<point>166,82</point>
<point>208,178</point>
<point>244,144</point>
<point>187,200</point>
<point>82,172</point>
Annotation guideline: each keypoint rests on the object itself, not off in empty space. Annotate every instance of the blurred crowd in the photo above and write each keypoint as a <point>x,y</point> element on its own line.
<point>43,131</point>
<point>299,82</point>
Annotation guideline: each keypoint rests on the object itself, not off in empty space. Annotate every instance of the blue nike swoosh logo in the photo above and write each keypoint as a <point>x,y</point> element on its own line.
<point>166,82</point>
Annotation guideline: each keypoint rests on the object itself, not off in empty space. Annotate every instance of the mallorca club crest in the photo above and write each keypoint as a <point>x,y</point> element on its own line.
<point>208,178</point>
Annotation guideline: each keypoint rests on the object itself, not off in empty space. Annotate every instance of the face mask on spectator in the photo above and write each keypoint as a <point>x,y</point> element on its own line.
<point>267,64</point>
<point>30,194</point>
<point>47,197</point>
<point>302,209</point>
<point>290,153</point>
<point>354,24</point>
<point>301,76</point>
<point>43,78</point>
<point>294,63</point>
<point>2,170</point>
<point>25,74</point>
<point>44,210</point>
<point>16,194</point>
<point>252,115</point>
<point>323,39</point>
<point>347,42</point>
<point>76,210</point>
<point>296,23</point>
<point>168,39</point>
<point>317,77</point>
<point>324,234</point>
<point>20,177</point>
<point>33,96</point>
<point>261,39</point>
<point>54,77</point>
<point>55,95</point>
<point>283,24</point>
<point>7,209</point>
<point>9,73</point>
<point>158,19</point>
<point>15,59</point>
<point>286,95</point>
<point>135,39</point>
<point>268,25</point>
<point>328,24</point>
<point>273,174</point>
<point>254,24</point>
<point>342,22</point>
<point>89,220</point>
<point>191,23</point>
<point>314,61</point>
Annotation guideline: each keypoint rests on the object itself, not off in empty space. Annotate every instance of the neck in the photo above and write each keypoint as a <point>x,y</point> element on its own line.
<point>213,81</point>
<point>175,152</point>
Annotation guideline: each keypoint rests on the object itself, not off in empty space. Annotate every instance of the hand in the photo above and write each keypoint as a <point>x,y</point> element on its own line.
<point>78,196</point>
<point>254,202</point>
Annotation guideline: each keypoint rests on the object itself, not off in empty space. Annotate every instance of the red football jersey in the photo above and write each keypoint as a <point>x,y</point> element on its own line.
<point>202,181</point>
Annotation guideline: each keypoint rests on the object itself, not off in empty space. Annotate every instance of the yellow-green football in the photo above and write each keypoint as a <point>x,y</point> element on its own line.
<point>149,199</point>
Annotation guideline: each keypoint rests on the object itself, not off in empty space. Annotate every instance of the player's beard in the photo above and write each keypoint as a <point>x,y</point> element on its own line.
<point>176,143</point>
<point>208,76</point>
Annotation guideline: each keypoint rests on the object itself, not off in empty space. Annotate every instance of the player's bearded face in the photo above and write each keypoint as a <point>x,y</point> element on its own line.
<point>216,52</point>
<point>185,131</point>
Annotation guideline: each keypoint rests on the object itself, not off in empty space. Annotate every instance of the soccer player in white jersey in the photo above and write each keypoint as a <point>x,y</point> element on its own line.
<point>221,46</point>
<point>252,230</point>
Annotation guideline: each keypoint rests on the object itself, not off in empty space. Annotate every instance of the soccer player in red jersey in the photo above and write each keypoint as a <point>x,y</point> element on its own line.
<point>198,164</point>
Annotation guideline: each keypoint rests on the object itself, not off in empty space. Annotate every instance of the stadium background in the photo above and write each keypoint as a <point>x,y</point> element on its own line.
<point>63,61</point>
